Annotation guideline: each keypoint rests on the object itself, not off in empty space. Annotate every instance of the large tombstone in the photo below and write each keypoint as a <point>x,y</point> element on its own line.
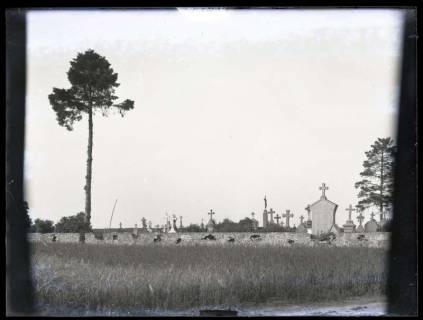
<point>322,214</point>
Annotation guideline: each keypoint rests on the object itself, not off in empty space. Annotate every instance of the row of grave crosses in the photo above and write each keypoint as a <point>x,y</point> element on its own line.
<point>167,227</point>
<point>287,215</point>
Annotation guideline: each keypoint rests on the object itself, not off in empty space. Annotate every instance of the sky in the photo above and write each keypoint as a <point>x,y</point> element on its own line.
<point>230,106</point>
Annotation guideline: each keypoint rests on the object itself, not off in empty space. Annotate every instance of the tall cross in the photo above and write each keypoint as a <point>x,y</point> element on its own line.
<point>323,188</point>
<point>350,209</point>
<point>287,215</point>
<point>360,218</point>
<point>372,215</point>
<point>308,212</point>
<point>301,218</point>
<point>265,203</point>
<point>271,212</point>
<point>277,217</point>
<point>211,213</point>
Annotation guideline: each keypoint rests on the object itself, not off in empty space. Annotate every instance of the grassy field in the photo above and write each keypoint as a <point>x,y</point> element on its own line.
<point>107,277</point>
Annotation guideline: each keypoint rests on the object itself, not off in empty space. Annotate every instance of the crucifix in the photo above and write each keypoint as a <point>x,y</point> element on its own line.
<point>301,219</point>
<point>287,215</point>
<point>271,212</point>
<point>372,216</point>
<point>350,209</point>
<point>360,218</point>
<point>323,188</point>
<point>265,203</point>
<point>277,217</point>
<point>211,213</point>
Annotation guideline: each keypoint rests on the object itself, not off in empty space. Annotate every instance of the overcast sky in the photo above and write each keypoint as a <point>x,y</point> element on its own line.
<point>229,106</point>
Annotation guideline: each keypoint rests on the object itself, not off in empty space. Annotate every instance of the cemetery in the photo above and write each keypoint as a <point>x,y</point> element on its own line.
<point>321,221</point>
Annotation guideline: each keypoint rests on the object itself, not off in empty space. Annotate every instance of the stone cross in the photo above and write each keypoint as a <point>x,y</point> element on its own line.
<point>271,212</point>
<point>350,209</point>
<point>211,213</point>
<point>360,218</point>
<point>308,212</point>
<point>287,215</point>
<point>323,188</point>
<point>301,219</point>
<point>372,215</point>
<point>277,218</point>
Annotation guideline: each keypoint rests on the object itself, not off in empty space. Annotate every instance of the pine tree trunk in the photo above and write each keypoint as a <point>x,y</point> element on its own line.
<point>89,170</point>
<point>381,185</point>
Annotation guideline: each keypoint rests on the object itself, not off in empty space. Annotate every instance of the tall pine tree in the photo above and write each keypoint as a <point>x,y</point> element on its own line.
<point>93,84</point>
<point>376,187</point>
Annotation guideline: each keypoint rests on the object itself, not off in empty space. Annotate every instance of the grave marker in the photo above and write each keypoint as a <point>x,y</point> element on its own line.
<point>360,219</point>
<point>211,224</point>
<point>271,212</point>
<point>287,215</point>
<point>277,219</point>
<point>349,226</point>
<point>323,214</point>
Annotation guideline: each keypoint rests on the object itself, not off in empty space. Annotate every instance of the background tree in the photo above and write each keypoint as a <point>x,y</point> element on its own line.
<point>376,188</point>
<point>72,224</point>
<point>246,225</point>
<point>93,84</point>
<point>226,225</point>
<point>192,228</point>
<point>43,226</point>
<point>28,221</point>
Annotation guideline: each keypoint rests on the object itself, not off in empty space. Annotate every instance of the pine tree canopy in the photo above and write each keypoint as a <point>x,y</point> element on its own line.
<point>93,84</point>
<point>376,188</point>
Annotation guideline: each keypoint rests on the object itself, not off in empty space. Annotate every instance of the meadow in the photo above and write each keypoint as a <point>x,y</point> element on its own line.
<point>107,277</point>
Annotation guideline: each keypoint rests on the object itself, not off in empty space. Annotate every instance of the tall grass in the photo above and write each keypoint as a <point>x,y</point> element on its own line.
<point>98,277</point>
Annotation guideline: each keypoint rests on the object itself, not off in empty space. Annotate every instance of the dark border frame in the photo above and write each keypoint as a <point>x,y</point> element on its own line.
<point>402,283</point>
